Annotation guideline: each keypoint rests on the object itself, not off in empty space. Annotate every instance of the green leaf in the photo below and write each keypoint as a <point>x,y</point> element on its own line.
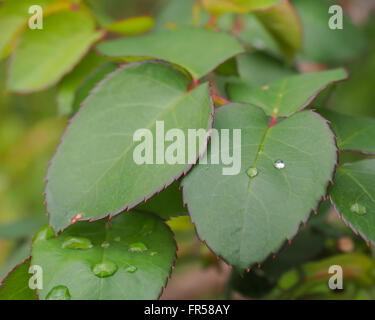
<point>259,69</point>
<point>183,47</point>
<point>180,13</point>
<point>132,26</point>
<point>255,35</point>
<point>16,284</point>
<point>353,196</point>
<point>37,61</point>
<point>91,81</point>
<point>356,267</point>
<point>167,203</point>
<point>259,282</point>
<point>287,95</point>
<point>236,6</point>
<point>322,44</point>
<point>129,257</point>
<point>95,158</point>
<point>14,16</point>
<point>71,82</point>
<point>283,23</point>
<point>353,133</point>
<point>246,217</point>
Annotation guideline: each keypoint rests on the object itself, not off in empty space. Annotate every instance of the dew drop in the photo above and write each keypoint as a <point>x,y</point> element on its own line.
<point>104,269</point>
<point>279,164</point>
<point>252,172</point>
<point>153,253</point>
<point>59,293</point>
<point>105,244</point>
<point>358,209</point>
<point>131,269</point>
<point>117,239</point>
<point>137,247</point>
<point>76,243</point>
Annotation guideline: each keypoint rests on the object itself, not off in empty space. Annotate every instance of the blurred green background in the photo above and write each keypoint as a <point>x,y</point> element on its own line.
<point>30,128</point>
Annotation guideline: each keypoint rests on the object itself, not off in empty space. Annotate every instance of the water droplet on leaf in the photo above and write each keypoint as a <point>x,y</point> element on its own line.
<point>358,209</point>
<point>104,269</point>
<point>137,247</point>
<point>279,164</point>
<point>105,244</point>
<point>153,253</point>
<point>76,243</point>
<point>252,172</point>
<point>59,293</point>
<point>131,269</point>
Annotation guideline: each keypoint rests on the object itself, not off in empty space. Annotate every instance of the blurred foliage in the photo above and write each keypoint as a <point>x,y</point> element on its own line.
<point>30,128</point>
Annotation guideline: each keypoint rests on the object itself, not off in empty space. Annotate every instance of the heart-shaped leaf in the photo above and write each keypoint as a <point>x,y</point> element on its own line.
<point>37,61</point>
<point>93,173</point>
<point>353,196</point>
<point>285,170</point>
<point>16,284</point>
<point>167,203</point>
<point>354,133</point>
<point>197,50</point>
<point>287,95</point>
<point>129,257</point>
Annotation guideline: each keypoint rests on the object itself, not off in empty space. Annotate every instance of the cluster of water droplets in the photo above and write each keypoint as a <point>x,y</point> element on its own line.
<point>105,268</point>
<point>358,208</point>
